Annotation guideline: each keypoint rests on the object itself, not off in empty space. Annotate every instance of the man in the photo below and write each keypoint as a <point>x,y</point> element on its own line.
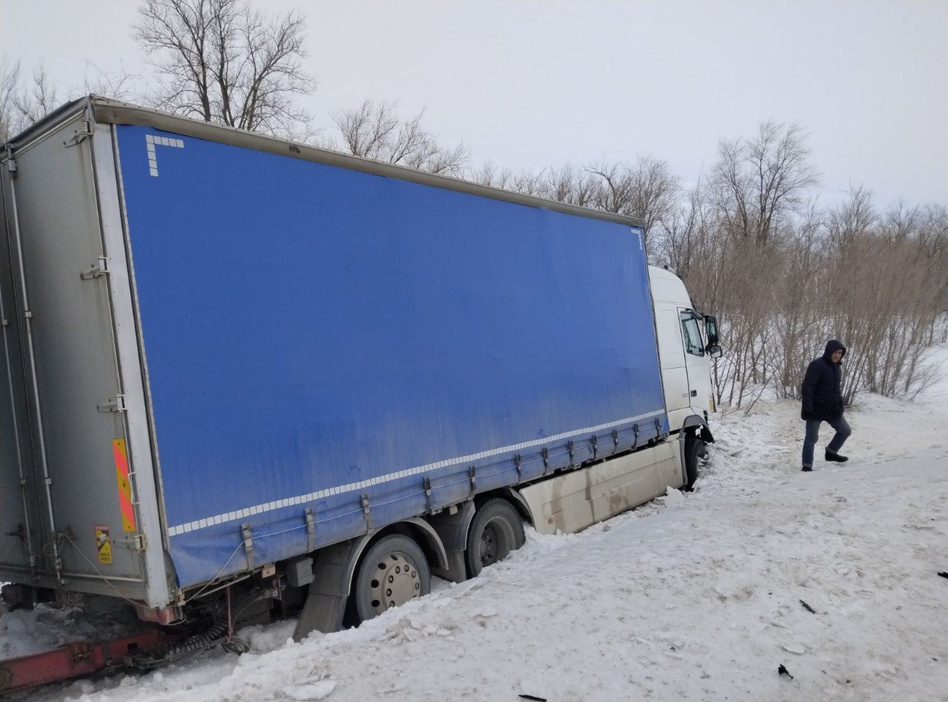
<point>823,402</point>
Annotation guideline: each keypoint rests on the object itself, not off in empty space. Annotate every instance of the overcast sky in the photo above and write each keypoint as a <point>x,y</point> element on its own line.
<point>531,84</point>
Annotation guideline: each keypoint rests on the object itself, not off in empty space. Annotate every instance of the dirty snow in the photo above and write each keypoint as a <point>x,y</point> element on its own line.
<point>693,597</point>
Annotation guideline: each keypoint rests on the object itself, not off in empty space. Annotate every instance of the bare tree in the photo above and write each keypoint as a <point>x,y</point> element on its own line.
<point>493,176</point>
<point>647,190</point>
<point>801,306</point>
<point>571,185</point>
<point>758,182</point>
<point>850,220</point>
<point>9,85</point>
<point>374,130</point>
<point>686,232</point>
<point>933,249</point>
<point>529,182</point>
<point>568,184</point>
<point>38,100</point>
<point>655,191</point>
<point>116,85</point>
<point>22,105</point>
<point>368,130</point>
<point>223,62</point>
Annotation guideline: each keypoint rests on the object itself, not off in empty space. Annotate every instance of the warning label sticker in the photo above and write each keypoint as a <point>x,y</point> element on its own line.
<point>103,544</point>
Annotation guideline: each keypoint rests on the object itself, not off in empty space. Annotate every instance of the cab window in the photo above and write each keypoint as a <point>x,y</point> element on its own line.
<point>692,335</point>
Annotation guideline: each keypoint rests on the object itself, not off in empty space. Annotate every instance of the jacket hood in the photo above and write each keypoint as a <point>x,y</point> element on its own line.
<point>833,346</point>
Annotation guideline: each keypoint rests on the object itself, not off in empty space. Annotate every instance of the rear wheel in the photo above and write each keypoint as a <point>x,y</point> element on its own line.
<point>495,531</point>
<point>393,571</point>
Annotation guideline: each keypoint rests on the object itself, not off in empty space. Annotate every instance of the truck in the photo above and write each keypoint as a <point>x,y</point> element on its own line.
<point>242,375</point>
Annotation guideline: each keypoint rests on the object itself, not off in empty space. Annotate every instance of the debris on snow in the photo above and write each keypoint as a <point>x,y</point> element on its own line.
<point>319,690</point>
<point>671,498</point>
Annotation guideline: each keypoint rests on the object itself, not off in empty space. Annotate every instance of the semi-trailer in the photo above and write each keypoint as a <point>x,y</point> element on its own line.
<point>239,369</point>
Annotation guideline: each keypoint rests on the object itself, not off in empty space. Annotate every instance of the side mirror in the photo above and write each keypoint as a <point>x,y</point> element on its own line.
<point>711,327</point>
<point>714,351</point>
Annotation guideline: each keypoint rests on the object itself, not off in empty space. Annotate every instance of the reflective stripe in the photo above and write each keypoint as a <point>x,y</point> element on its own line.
<point>418,470</point>
<point>124,485</point>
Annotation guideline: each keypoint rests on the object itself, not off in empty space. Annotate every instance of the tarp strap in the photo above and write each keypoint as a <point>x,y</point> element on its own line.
<point>248,544</point>
<point>310,529</point>
<point>366,510</point>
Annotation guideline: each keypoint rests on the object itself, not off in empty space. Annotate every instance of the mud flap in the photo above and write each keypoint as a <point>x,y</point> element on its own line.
<point>325,604</point>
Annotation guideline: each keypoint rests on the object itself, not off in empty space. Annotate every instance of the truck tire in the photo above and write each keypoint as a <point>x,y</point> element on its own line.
<point>695,451</point>
<point>393,571</point>
<point>495,531</point>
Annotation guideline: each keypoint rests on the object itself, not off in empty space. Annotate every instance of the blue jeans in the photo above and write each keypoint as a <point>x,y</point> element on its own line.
<point>813,433</point>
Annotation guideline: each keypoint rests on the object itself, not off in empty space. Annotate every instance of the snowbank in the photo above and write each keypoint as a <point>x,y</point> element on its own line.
<point>832,575</point>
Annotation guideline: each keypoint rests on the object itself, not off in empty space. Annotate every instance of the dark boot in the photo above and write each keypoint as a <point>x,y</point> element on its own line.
<point>830,456</point>
<point>807,469</point>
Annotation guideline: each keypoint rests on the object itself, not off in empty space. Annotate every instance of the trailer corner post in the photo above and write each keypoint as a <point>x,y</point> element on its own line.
<point>142,458</point>
<point>34,382</point>
<point>4,320</point>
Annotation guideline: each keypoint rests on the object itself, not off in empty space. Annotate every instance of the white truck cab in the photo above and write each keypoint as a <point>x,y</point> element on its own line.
<point>687,341</point>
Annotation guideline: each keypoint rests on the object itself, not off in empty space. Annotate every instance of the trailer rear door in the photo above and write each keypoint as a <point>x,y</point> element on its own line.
<point>65,425</point>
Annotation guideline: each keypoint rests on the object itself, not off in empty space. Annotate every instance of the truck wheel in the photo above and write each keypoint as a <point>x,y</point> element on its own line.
<point>495,531</point>
<point>393,571</point>
<point>695,451</point>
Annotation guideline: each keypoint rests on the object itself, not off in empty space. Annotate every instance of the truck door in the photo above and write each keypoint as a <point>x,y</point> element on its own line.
<point>696,361</point>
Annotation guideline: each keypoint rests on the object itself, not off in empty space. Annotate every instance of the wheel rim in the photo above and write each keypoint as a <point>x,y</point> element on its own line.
<point>394,582</point>
<point>495,542</point>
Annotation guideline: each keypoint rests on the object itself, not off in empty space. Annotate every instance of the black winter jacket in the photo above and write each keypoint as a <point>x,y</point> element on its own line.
<point>822,394</point>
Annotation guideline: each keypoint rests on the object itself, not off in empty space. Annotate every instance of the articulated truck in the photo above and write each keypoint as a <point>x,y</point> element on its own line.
<point>240,374</point>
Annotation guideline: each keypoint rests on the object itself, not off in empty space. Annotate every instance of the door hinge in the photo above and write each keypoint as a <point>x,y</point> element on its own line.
<point>80,135</point>
<point>99,269</point>
<point>11,164</point>
<point>140,542</point>
<point>116,405</point>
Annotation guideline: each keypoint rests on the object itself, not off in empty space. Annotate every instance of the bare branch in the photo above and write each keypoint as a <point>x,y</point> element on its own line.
<point>9,86</point>
<point>39,100</point>
<point>647,189</point>
<point>223,62</point>
<point>374,130</point>
<point>758,183</point>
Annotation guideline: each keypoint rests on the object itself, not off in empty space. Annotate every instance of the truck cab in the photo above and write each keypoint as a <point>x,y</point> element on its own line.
<point>687,341</point>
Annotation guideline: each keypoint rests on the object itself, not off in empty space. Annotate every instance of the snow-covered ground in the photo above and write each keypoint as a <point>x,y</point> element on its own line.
<point>693,597</point>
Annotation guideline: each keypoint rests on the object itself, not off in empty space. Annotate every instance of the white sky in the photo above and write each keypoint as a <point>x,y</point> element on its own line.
<point>531,84</point>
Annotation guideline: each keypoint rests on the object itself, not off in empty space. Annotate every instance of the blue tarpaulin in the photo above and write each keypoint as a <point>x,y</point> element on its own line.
<point>326,339</point>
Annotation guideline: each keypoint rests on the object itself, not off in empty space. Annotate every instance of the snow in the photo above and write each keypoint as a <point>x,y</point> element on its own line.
<point>699,596</point>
